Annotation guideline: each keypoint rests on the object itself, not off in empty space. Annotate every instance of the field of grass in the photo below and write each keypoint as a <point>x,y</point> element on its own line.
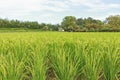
<point>3,30</point>
<point>59,56</point>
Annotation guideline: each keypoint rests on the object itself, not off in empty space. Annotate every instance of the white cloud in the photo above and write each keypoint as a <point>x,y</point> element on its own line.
<point>32,5</point>
<point>114,13</point>
<point>17,8</point>
<point>56,3</point>
<point>24,7</point>
<point>102,7</point>
<point>48,9</point>
<point>40,10</point>
<point>95,5</point>
<point>83,2</point>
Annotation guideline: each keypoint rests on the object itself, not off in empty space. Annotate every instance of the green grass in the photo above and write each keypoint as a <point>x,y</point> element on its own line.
<point>59,56</point>
<point>2,30</point>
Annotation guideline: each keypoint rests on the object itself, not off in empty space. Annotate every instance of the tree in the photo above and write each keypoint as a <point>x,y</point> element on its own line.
<point>80,22</point>
<point>92,24</point>
<point>69,24</point>
<point>52,27</point>
<point>114,22</point>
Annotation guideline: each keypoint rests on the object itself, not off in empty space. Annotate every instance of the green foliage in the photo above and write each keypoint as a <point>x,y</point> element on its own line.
<point>114,22</point>
<point>69,24</point>
<point>89,24</point>
<point>5,23</point>
<point>59,56</point>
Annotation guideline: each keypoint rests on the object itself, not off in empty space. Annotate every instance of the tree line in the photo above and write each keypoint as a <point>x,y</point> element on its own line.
<point>69,23</point>
<point>5,23</point>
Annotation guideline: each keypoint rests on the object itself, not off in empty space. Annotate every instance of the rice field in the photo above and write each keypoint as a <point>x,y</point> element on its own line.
<point>59,56</point>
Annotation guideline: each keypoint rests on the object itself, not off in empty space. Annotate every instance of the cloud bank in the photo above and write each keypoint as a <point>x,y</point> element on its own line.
<point>21,9</point>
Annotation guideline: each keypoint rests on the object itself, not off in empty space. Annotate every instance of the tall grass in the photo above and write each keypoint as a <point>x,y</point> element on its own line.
<point>59,56</point>
<point>93,56</point>
<point>111,61</point>
<point>66,61</point>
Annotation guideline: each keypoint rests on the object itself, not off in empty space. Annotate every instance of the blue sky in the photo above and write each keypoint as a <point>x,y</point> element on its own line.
<point>53,11</point>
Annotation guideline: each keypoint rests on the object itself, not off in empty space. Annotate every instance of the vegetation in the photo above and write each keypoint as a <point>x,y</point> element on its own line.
<point>8,24</point>
<point>69,23</point>
<point>59,56</point>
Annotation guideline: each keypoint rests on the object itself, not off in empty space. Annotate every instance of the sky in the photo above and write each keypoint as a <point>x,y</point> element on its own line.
<point>53,11</point>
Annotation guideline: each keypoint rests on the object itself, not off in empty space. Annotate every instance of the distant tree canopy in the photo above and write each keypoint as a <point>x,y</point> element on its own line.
<point>114,22</point>
<point>69,23</point>
<point>5,23</point>
<point>89,24</point>
<point>111,24</point>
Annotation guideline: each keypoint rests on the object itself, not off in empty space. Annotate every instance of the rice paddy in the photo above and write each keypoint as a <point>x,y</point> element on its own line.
<point>59,56</point>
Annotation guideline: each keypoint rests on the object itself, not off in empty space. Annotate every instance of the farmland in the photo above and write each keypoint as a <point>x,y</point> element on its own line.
<point>59,56</point>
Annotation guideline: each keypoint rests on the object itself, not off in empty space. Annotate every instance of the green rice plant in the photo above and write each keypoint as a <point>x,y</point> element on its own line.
<point>59,56</point>
<point>35,63</point>
<point>92,55</point>
<point>11,65</point>
<point>65,61</point>
<point>39,65</point>
<point>111,61</point>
